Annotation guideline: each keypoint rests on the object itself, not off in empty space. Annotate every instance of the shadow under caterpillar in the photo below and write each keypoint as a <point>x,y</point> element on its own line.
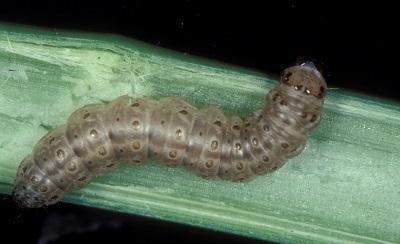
<point>97,137</point>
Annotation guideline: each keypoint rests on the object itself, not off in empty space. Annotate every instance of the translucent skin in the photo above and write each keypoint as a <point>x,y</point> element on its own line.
<point>97,138</point>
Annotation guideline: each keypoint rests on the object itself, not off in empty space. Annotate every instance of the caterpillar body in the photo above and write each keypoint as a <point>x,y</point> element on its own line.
<point>97,137</point>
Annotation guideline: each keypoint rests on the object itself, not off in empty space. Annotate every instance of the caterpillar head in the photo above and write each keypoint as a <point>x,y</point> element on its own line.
<point>305,78</point>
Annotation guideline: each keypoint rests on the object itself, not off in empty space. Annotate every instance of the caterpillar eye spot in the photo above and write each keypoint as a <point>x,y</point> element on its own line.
<point>136,125</point>
<point>214,145</point>
<point>60,154</point>
<point>102,151</point>
<point>238,146</point>
<point>178,133</point>
<point>34,179</point>
<point>93,133</point>
<point>209,164</point>
<point>71,166</point>
<point>239,166</point>
<point>172,154</point>
<point>206,142</point>
<point>136,145</point>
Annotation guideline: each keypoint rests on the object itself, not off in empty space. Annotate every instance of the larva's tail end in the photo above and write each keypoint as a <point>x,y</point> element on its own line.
<point>305,78</point>
<point>22,194</point>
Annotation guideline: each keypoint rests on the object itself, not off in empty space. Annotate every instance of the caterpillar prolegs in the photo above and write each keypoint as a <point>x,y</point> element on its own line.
<point>97,137</point>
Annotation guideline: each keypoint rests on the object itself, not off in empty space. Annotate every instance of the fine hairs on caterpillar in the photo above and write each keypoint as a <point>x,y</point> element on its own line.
<point>98,137</point>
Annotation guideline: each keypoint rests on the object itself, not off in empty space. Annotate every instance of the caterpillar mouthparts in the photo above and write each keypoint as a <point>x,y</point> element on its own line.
<point>98,137</point>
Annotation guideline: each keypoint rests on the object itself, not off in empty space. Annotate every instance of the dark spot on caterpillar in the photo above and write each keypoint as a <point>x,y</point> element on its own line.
<point>93,133</point>
<point>43,188</point>
<point>90,162</point>
<point>83,178</point>
<point>200,133</point>
<point>313,118</point>
<point>86,115</point>
<point>102,151</point>
<point>117,119</point>
<point>236,127</point>
<point>178,133</point>
<point>284,145</point>
<point>121,150</point>
<point>136,125</point>
<point>172,154</point>
<point>136,145</point>
<point>239,166</point>
<point>60,154</point>
<point>162,122</point>
<point>265,127</point>
<point>44,159</point>
<point>75,136</point>
<point>214,145</point>
<point>283,103</point>
<point>136,104</point>
<point>209,164</point>
<point>112,164</point>
<point>238,146</point>
<point>51,140</point>
<point>183,112</point>
<point>136,161</point>
<point>286,77</point>
<point>265,158</point>
<point>321,92</point>
<point>71,166</point>
<point>53,198</point>
<point>218,123</point>
<point>34,179</point>
<point>303,115</point>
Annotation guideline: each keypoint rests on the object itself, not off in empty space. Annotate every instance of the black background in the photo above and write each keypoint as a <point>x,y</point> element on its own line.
<point>353,43</point>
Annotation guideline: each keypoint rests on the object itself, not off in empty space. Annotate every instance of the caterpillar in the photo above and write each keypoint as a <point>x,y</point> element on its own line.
<point>98,137</point>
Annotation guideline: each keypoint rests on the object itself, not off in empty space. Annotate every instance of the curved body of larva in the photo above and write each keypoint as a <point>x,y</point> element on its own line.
<point>97,137</point>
